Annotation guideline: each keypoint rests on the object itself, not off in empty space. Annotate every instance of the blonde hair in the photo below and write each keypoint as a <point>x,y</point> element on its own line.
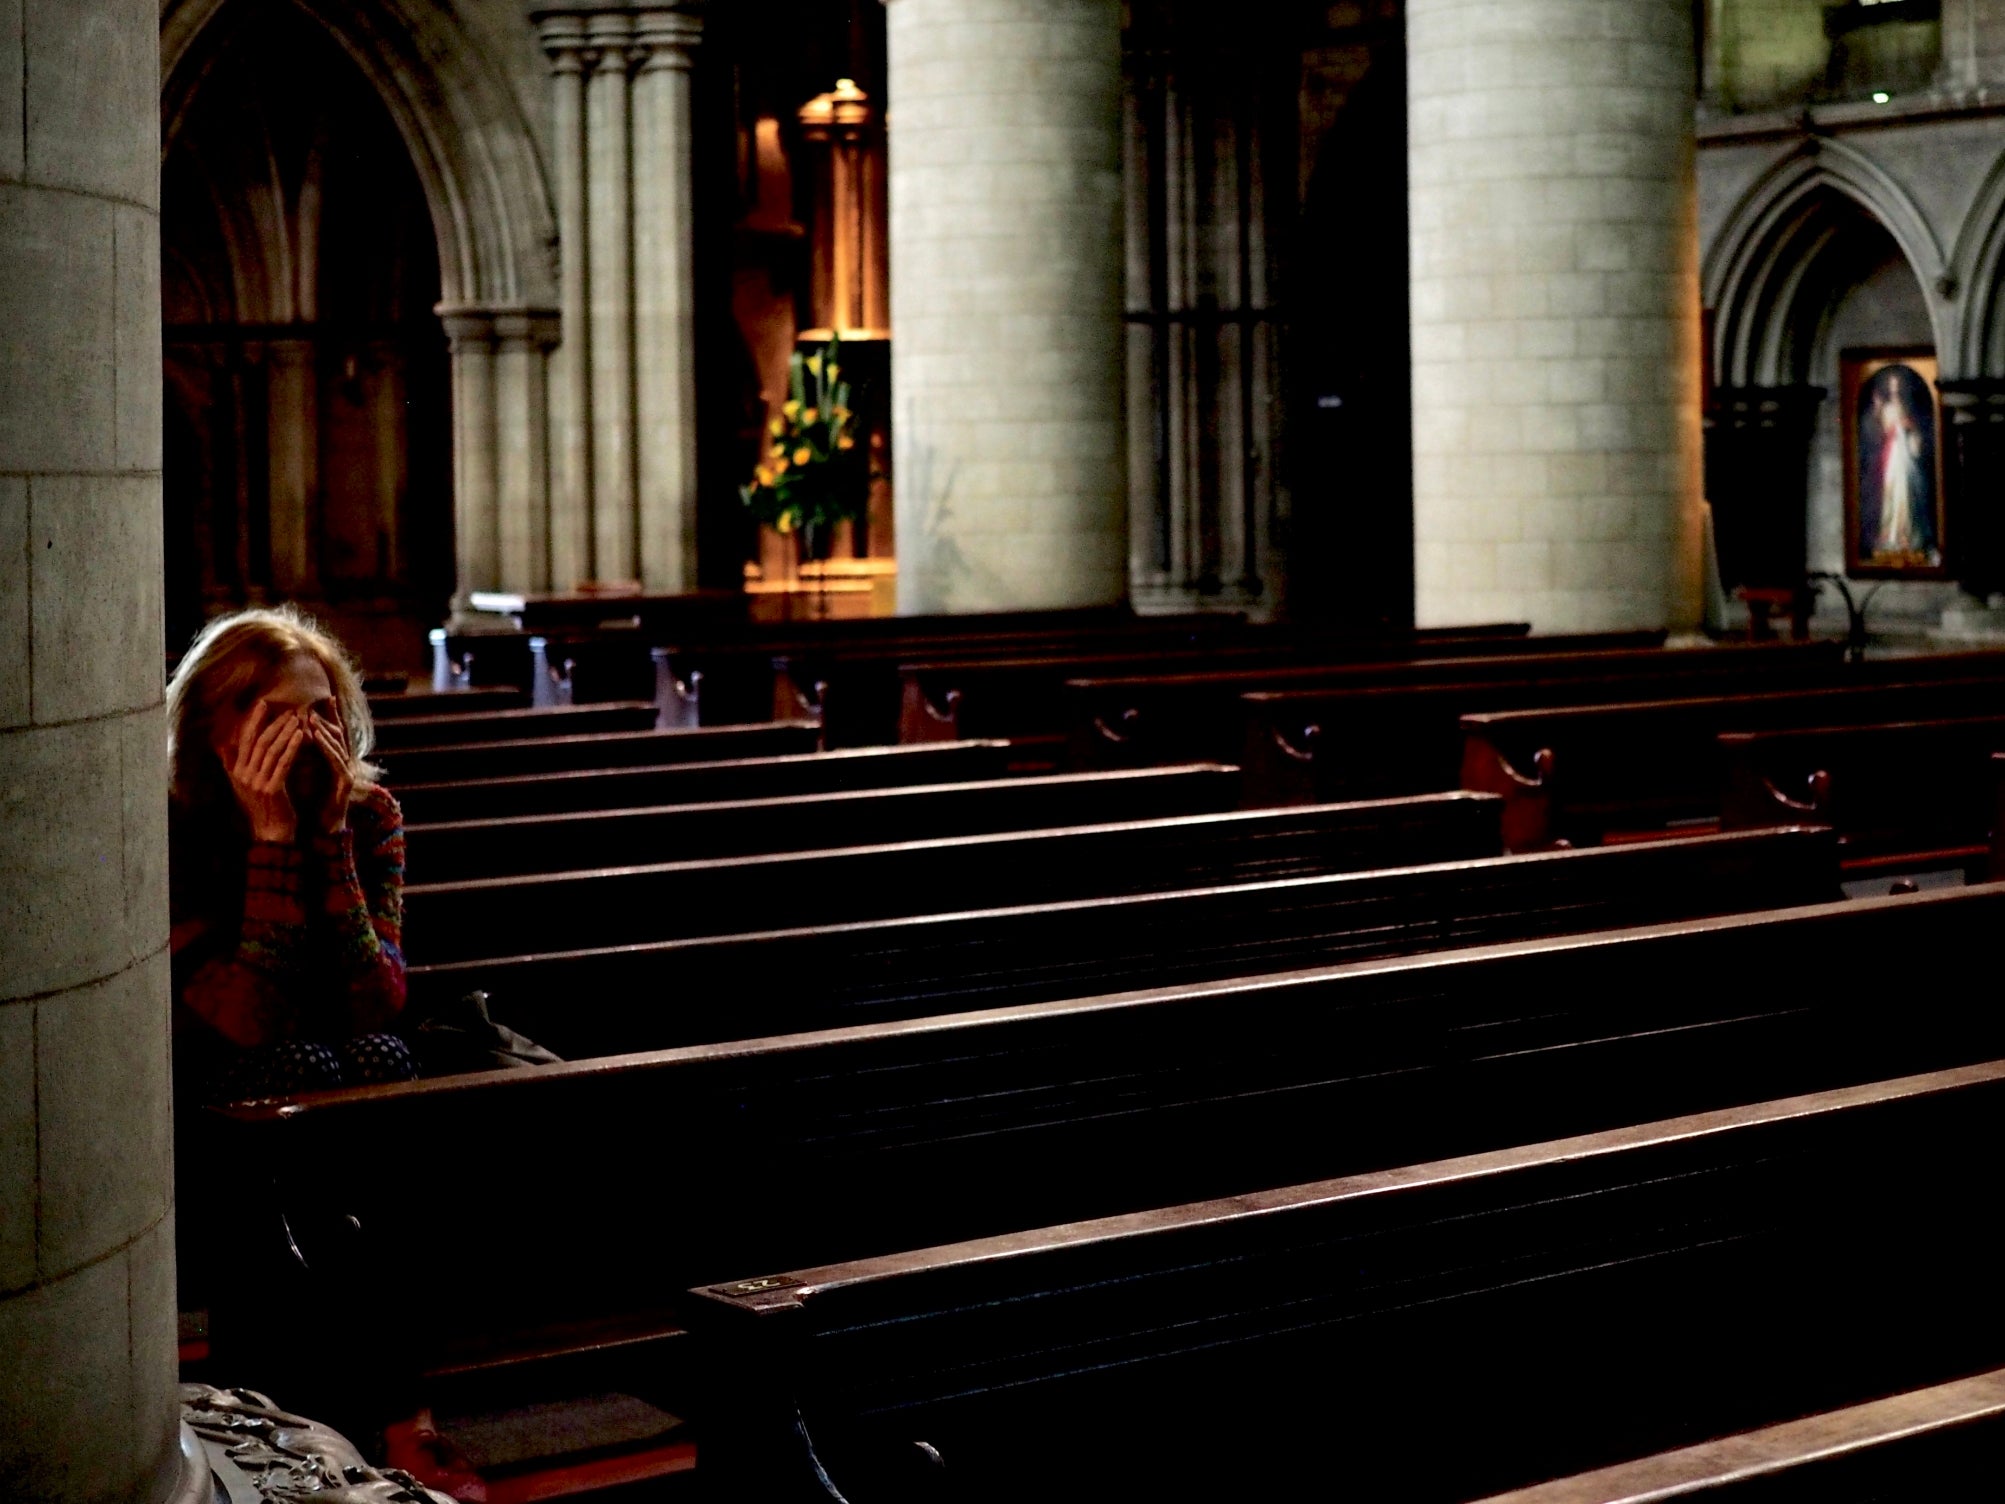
<point>231,662</point>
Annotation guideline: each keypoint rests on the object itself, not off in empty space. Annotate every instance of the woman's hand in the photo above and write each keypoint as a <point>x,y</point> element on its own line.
<point>332,741</point>
<point>266,748</point>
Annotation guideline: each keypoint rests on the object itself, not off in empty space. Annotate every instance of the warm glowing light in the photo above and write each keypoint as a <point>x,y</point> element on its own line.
<point>1881,98</point>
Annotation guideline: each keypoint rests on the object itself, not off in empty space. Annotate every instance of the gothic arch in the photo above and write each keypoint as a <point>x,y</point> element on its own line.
<point>473,151</point>
<point>1977,265</point>
<point>1797,216</point>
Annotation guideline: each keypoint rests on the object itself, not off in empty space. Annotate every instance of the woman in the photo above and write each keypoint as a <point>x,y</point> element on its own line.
<point>286,866</point>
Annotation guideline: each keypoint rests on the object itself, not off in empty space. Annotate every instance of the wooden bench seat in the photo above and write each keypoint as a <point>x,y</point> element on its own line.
<point>1420,1332</point>
<point>1901,796</point>
<point>735,895</point>
<point>570,754</point>
<point>416,731</point>
<point>689,783</point>
<point>399,707</point>
<point>452,851</point>
<point>677,992</point>
<point>1025,696</point>
<point>1943,1442</point>
<point>1581,773</point>
<point>1121,722</point>
<point>804,1149</point>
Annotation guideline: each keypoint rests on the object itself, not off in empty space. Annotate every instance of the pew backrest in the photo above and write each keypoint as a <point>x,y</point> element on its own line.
<point>735,895</point>
<point>619,749</point>
<point>413,732</point>
<point>690,783</point>
<point>1556,1304</point>
<point>678,992</point>
<point>451,851</point>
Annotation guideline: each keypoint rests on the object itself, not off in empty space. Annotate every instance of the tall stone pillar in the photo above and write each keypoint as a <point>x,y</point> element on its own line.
<point>1006,268</point>
<point>665,298</point>
<point>292,406</point>
<point>625,405</point>
<point>87,1342</point>
<point>476,496</point>
<point>522,344</point>
<point>1556,381</point>
<point>571,406</point>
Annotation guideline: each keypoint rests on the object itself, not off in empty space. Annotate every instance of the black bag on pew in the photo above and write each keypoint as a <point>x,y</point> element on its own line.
<point>462,1036</point>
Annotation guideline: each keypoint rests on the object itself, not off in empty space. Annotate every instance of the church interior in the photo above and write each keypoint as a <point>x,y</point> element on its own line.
<point>922,750</point>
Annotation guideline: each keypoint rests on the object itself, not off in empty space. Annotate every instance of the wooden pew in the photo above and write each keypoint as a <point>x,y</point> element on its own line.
<point>736,895</point>
<point>689,783</point>
<point>1585,773</point>
<point>1944,1441</point>
<point>416,731</point>
<point>1122,722</point>
<point>1909,796</point>
<point>786,1152</point>
<point>1025,696</point>
<point>570,754</point>
<point>1359,743</point>
<point>456,850</point>
<point>730,678</point>
<point>678,992</point>
<point>1424,1331</point>
<point>399,707</point>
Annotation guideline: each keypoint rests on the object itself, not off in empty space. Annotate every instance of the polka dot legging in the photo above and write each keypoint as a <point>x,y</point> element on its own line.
<point>277,1070</point>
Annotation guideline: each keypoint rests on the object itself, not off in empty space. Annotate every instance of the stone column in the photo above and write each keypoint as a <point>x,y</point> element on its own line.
<point>609,227</point>
<point>1556,383</point>
<point>523,342</point>
<point>476,496</point>
<point>1006,264</point>
<point>87,1300</point>
<point>571,500</point>
<point>665,299</point>
<point>292,406</point>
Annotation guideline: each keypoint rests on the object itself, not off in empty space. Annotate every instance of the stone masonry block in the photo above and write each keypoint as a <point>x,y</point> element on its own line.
<point>14,616</point>
<point>95,547</point>
<point>136,337</point>
<point>17,1145</point>
<point>93,97</point>
<point>101,1070</point>
<point>62,889</point>
<point>143,793</point>
<point>56,330</point>
<point>13,144</point>
<point>66,1389</point>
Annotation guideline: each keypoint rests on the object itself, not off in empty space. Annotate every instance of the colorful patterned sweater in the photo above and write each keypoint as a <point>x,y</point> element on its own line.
<point>301,939</point>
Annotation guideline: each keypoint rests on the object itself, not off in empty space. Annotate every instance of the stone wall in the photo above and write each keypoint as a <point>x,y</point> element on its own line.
<point>87,1352</point>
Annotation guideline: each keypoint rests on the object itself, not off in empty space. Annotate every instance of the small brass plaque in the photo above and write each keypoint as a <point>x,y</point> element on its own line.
<point>758,1286</point>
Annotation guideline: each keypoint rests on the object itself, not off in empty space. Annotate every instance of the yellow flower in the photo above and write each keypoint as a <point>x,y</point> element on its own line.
<point>845,442</point>
<point>840,412</point>
<point>792,409</point>
<point>803,454</point>
<point>777,427</point>
<point>763,476</point>
<point>811,415</point>
<point>785,522</point>
<point>814,365</point>
<point>779,464</point>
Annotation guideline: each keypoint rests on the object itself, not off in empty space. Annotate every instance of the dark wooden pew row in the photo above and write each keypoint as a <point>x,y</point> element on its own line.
<point>689,783</point>
<point>728,679</point>
<point>737,895</point>
<point>1942,1442</point>
<point>1422,1332</point>
<point>456,850</point>
<point>1585,773</point>
<point>678,992</point>
<point>400,707</point>
<point>1909,796</point>
<point>570,754</point>
<point>803,1149</point>
<point>1122,722</point>
<point>1372,741</point>
<point>1025,696</point>
<point>416,731</point>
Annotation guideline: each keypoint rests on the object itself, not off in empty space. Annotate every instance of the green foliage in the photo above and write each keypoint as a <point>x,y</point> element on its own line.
<point>813,471</point>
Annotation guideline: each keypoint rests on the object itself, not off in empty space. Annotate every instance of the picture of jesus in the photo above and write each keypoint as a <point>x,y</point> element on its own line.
<point>1893,488</point>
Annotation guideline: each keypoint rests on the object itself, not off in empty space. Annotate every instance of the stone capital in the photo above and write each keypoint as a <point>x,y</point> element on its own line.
<point>468,329</point>
<point>538,329</point>
<point>667,38</point>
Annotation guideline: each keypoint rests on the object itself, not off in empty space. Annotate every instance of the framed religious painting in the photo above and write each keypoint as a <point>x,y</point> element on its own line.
<point>1890,423</point>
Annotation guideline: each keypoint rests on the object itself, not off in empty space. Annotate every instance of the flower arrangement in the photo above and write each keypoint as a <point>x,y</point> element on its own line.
<point>812,474</point>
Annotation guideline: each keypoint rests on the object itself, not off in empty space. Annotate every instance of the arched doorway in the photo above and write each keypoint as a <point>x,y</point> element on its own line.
<point>308,391</point>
